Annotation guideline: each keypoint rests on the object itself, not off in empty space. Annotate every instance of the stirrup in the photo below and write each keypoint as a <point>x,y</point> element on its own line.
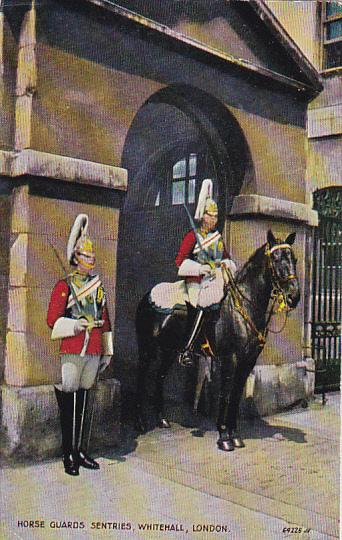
<point>185,359</point>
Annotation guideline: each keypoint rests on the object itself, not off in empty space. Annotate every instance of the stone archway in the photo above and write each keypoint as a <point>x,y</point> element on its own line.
<point>179,137</point>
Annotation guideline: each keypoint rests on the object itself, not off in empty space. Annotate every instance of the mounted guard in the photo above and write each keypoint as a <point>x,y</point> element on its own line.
<point>78,316</point>
<point>200,258</point>
<point>266,284</point>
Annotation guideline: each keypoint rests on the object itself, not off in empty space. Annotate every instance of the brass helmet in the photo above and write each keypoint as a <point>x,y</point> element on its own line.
<point>210,208</point>
<point>206,204</point>
<point>80,244</point>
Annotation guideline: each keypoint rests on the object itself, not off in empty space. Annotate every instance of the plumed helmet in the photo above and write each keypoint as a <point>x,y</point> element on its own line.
<point>211,207</point>
<point>206,204</point>
<point>79,242</point>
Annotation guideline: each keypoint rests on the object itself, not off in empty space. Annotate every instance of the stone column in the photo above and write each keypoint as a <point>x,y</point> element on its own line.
<point>2,24</point>
<point>26,79</point>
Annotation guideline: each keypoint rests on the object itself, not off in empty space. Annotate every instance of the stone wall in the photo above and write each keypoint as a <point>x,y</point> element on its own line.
<point>30,425</point>
<point>5,226</point>
<point>91,78</point>
<point>300,20</point>
<point>8,72</point>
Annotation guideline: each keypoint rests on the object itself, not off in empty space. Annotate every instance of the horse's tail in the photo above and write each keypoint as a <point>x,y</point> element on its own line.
<point>144,335</point>
<point>143,308</point>
<point>143,317</point>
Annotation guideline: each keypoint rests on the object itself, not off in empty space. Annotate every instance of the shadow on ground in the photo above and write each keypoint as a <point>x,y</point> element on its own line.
<point>259,429</point>
<point>199,425</point>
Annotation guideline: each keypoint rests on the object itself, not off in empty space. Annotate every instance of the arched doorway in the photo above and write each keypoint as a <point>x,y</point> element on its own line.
<point>178,138</point>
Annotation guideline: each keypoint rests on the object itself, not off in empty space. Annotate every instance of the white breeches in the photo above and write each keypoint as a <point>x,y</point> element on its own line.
<point>79,371</point>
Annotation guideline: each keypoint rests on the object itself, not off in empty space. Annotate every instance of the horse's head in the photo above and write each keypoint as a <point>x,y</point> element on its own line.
<point>282,263</point>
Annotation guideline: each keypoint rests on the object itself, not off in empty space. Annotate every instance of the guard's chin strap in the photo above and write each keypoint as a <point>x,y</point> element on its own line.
<point>85,264</point>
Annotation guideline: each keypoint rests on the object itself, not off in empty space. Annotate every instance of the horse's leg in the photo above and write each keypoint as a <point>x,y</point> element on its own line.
<point>141,390</point>
<point>227,366</point>
<point>231,409</point>
<point>165,360</point>
<point>153,367</point>
<point>151,375</point>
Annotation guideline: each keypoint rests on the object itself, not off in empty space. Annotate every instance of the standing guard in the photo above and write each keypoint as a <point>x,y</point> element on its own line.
<point>199,260</point>
<point>78,315</point>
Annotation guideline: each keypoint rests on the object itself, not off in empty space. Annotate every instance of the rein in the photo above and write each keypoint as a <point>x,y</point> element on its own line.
<point>236,296</point>
<point>278,296</point>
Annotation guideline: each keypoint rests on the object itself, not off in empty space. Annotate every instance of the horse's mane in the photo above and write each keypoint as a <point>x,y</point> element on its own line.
<point>254,262</point>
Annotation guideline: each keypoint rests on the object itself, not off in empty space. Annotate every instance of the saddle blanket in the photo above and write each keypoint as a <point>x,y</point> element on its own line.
<point>165,297</point>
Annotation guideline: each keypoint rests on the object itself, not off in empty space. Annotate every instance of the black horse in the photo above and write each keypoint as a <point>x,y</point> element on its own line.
<point>266,280</point>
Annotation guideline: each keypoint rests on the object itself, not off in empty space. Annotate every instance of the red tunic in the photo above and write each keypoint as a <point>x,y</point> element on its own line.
<point>74,344</point>
<point>186,252</point>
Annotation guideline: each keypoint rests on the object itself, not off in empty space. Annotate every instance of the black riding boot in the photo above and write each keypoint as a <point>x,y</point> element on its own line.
<point>185,357</point>
<point>81,409</point>
<point>67,406</point>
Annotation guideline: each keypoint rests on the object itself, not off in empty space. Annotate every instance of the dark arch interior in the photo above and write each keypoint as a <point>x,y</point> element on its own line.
<point>175,116</point>
<point>172,127</point>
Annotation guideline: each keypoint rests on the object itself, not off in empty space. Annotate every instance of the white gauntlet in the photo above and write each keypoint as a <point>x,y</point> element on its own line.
<point>66,327</point>
<point>189,268</point>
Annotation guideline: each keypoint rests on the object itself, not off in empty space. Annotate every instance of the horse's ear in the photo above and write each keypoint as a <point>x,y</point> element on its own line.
<point>271,238</point>
<point>290,239</point>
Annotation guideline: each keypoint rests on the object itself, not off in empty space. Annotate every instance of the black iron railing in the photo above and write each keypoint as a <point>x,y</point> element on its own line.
<point>327,289</point>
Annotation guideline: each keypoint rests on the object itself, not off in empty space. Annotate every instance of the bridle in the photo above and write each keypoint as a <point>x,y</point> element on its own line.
<point>278,294</point>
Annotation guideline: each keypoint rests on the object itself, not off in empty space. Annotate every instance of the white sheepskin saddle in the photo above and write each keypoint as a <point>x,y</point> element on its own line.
<point>165,297</point>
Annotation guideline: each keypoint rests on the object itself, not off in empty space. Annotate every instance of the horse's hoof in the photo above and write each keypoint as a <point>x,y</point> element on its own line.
<point>227,445</point>
<point>238,442</point>
<point>164,423</point>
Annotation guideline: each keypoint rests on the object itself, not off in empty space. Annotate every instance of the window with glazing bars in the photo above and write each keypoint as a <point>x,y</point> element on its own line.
<point>184,180</point>
<point>332,34</point>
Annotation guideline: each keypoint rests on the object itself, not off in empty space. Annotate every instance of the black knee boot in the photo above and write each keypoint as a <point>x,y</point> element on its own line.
<point>81,413</point>
<point>194,327</point>
<point>67,406</point>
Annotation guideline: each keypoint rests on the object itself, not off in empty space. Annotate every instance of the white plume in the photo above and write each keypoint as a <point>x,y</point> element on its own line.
<point>78,229</point>
<point>205,193</point>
